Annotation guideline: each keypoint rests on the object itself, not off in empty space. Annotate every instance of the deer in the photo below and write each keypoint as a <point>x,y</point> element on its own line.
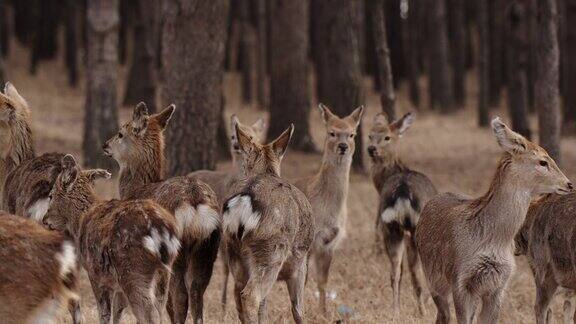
<point>127,247</point>
<point>268,230</point>
<point>38,272</point>
<point>467,245</point>
<point>327,191</point>
<point>139,150</point>
<point>221,181</point>
<point>546,240</point>
<point>403,193</point>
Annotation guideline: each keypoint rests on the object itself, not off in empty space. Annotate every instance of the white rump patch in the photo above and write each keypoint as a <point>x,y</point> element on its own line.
<point>240,212</point>
<point>39,209</point>
<point>67,259</point>
<point>401,209</point>
<point>153,242</point>
<point>197,222</point>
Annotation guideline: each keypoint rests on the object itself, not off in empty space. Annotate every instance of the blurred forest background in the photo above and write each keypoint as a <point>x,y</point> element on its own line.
<point>291,54</point>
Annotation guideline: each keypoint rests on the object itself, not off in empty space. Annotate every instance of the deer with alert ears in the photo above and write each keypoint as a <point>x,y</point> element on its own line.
<point>268,230</point>
<point>327,191</point>
<point>467,245</point>
<point>126,247</point>
<point>402,195</point>
<point>221,182</point>
<point>139,150</point>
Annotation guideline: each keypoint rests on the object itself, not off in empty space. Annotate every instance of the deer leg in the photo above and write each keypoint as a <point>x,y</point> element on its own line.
<point>226,270</point>
<point>263,312</point>
<point>395,251</point>
<point>162,283</point>
<point>119,303</point>
<point>137,289</point>
<point>491,307</point>
<point>414,265</point>
<point>295,286</point>
<point>75,312</point>
<point>200,272</point>
<point>262,278</point>
<point>103,303</point>
<point>545,290</point>
<point>178,293</point>
<point>240,280</point>
<point>443,307</point>
<point>465,305</point>
<point>322,263</point>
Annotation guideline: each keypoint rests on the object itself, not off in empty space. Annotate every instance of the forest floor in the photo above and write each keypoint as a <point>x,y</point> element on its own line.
<point>451,150</point>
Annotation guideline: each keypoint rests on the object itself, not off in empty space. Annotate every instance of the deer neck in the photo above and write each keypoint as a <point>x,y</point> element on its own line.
<point>79,210</point>
<point>385,166</point>
<point>140,173</point>
<point>334,174</point>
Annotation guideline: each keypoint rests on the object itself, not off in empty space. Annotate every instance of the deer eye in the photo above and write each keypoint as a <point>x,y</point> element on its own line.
<point>352,135</point>
<point>387,138</point>
<point>120,135</point>
<point>332,134</point>
<point>543,163</point>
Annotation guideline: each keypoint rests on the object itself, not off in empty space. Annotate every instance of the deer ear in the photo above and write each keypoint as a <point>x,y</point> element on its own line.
<point>280,145</point>
<point>234,121</point>
<point>95,174</point>
<point>140,119</point>
<point>508,140</point>
<point>259,125</point>
<point>165,115</point>
<point>11,92</point>
<point>401,125</point>
<point>357,114</point>
<point>326,113</point>
<point>244,140</point>
<point>69,173</point>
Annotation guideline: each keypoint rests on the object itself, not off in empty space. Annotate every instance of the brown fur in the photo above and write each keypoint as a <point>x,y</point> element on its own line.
<point>126,247</point>
<point>268,231</point>
<point>33,285</point>
<point>327,191</point>
<point>402,195</point>
<point>466,245</point>
<point>139,150</point>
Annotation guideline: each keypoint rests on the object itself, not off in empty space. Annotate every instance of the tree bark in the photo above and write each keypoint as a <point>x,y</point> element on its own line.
<point>289,84</point>
<point>384,73</point>
<point>439,69</point>
<point>394,36</point>
<point>483,63</point>
<point>44,44</point>
<point>248,52</point>
<point>569,63</point>
<point>457,27</point>
<point>495,8</point>
<point>546,88</point>
<point>262,54</point>
<point>101,113</point>
<point>338,71</point>
<point>125,6</point>
<point>4,37</point>
<point>517,34</point>
<point>193,77</point>
<point>143,80</point>
<point>413,50</point>
<point>72,28</point>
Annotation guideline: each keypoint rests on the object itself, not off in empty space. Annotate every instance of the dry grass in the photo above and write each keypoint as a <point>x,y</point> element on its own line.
<point>456,154</point>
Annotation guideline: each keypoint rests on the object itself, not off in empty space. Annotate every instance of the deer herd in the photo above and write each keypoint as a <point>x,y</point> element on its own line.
<point>154,248</point>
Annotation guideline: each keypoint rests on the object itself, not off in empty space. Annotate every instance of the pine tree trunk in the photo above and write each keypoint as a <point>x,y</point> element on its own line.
<point>262,54</point>
<point>101,114</point>
<point>483,63</point>
<point>125,6</point>
<point>44,45</point>
<point>413,50</point>
<point>546,88</point>
<point>457,29</point>
<point>569,64</point>
<point>4,37</point>
<point>517,63</point>
<point>496,53</point>
<point>143,80</point>
<point>248,52</point>
<point>72,27</point>
<point>394,36</point>
<point>289,84</point>
<point>439,69</point>
<point>338,70</point>
<point>384,73</point>
<point>223,138</point>
<point>193,77</point>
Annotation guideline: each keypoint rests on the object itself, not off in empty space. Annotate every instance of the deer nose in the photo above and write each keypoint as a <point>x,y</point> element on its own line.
<point>570,186</point>
<point>343,147</point>
<point>236,146</point>
<point>371,149</point>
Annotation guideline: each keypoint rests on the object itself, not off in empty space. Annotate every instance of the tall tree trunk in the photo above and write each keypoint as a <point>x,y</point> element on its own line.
<point>483,63</point>
<point>289,84</point>
<point>496,53</point>
<point>44,45</point>
<point>248,52</point>
<point>457,27</point>
<point>546,88</point>
<point>439,69</point>
<point>223,138</point>
<point>262,54</point>
<point>394,36</point>
<point>193,77</point>
<point>338,71</point>
<point>569,64</point>
<point>517,62</point>
<point>72,27</point>
<point>125,6</point>
<point>413,50</point>
<point>143,80</point>
<point>233,39</point>
<point>101,113</point>
<point>4,37</point>
<point>532,65</point>
<point>384,73</point>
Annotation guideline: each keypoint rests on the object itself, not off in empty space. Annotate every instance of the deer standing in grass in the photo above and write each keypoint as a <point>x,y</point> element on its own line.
<point>547,239</point>
<point>139,150</point>
<point>221,182</point>
<point>402,195</point>
<point>38,272</point>
<point>126,247</point>
<point>327,191</point>
<point>467,245</point>
<point>268,230</point>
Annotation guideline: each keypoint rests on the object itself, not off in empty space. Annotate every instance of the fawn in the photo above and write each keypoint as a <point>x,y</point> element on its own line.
<point>546,238</point>
<point>38,272</point>
<point>139,150</point>
<point>327,191</point>
<point>25,179</point>
<point>221,182</point>
<point>402,195</point>
<point>126,247</point>
<point>466,245</point>
<point>268,230</point>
